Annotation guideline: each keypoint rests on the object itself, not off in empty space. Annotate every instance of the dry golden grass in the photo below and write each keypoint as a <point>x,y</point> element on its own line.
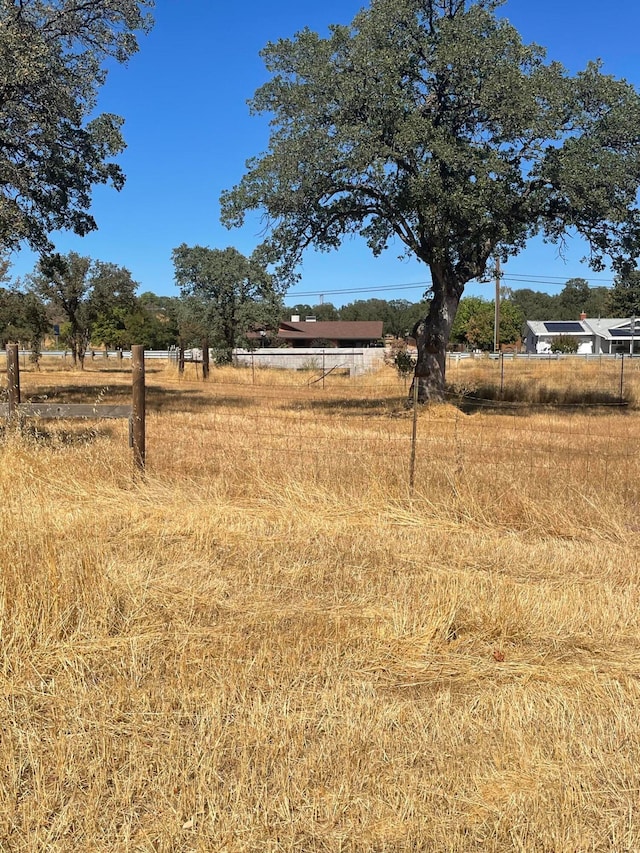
<point>270,644</point>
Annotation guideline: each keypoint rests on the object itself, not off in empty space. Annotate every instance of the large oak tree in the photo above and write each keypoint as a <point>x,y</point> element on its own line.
<point>430,121</point>
<point>53,147</point>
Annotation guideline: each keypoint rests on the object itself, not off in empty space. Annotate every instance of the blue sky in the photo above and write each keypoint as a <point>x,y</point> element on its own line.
<point>189,133</point>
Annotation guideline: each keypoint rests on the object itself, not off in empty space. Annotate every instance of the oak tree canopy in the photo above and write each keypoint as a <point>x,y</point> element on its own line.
<point>53,148</point>
<point>431,123</point>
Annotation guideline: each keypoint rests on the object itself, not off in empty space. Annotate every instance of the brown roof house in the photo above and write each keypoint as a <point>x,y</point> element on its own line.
<point>331,333</point>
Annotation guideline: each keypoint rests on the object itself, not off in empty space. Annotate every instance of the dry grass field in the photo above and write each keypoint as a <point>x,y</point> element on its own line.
<point>272,644</point>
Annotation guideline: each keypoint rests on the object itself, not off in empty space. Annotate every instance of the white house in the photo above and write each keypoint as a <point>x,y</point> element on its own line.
<point>601,336</point>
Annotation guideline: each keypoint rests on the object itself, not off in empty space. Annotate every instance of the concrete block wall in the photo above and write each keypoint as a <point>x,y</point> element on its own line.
<point>357,360</point>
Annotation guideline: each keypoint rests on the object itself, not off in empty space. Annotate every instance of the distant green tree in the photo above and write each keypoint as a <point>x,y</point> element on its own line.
<point>193,322</point>
<point>322,312</point>
<point>23,319</point>
<point>225,294</point>
<point>367,309</point>
<point>403,316</point>
<point>146,328</point>
<point>624,296</point>
<point>475,323</point>
<point>165,310</point>
<point>534,304</point>
<point>575,297</point>
<point>301,310</point>
<point>108,329</point>
<point>480,325</point>
<point>326,311</point>
<point>598,302</point>
<point>572,300</point>
<point>82,292</point>
<point>469,306</point>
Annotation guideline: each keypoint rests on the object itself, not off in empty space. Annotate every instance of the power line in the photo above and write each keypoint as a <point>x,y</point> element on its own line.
<point>553,280</point>
<point>376,289</point>
<point>557,279</point>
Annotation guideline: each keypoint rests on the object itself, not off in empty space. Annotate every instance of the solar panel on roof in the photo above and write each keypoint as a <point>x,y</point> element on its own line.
<point>564,326</point>
<point>624,333</point>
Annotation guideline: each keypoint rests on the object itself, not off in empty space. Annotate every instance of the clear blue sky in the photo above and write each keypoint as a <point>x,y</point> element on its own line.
<point>189,133</point>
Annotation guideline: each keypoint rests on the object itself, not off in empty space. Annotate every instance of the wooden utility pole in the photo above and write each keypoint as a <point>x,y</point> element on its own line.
<point>138,407</point>
<point>13,379</point>
<point>496,321</point>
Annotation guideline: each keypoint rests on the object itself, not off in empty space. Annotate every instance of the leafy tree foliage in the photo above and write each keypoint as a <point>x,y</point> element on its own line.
<point>82,292</point>
<point>534,304</point>
<point>109,329</point>
<point>53,150</point>
<point>23,319</point>
<point>429,121</point>
<point>475,322</point>
<point>564,344</point>
<point>398,316</point>
<point>575,297</point>
<point>624,296</point>
<point>469,306</point>
<point>163,311</point>
<point>322,312</point>
<point>225,294</point>
<point>398,356</point>
<point>123,327</point>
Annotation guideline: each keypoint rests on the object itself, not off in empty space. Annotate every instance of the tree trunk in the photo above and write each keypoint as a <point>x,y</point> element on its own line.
<point>432,337</point>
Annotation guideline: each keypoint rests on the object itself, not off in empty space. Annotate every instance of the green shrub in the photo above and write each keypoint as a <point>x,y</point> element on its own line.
<point>564,344</point>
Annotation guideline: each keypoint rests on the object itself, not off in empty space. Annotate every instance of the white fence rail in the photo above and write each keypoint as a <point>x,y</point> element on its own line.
<point>362,358</point>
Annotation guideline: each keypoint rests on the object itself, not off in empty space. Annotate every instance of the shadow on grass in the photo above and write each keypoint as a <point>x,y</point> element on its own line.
<point>356,406</point>
<point>38,433</point>
<point>525,401</point>
<point>157,399</point>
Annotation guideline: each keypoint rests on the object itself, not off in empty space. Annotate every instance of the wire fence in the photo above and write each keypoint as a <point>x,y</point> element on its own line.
<point>514,432</point>
<point>567,434</point>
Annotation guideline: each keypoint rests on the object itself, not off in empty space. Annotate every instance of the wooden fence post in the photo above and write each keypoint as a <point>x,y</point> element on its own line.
<point>13,379</point>
<point>138,407</point>
<point>205,358</point>
<point>181,356</point>
<point>414,432</point>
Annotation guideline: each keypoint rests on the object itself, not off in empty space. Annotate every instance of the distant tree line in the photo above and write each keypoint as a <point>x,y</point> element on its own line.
<point>75,302</point>
<point>402,123</point>
<point>474,323</point>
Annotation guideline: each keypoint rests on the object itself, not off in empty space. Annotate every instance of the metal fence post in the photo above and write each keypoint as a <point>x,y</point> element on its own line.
<point>138,407</point>
<point>622,377</point>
